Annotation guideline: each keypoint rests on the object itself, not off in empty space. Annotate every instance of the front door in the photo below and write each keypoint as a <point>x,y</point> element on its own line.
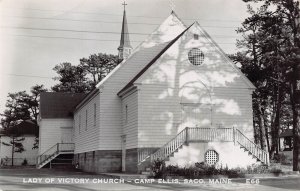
<point>123,153</point>
<point>66,135</point>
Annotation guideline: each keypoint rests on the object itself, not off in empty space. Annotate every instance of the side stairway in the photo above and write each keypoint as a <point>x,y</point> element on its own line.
<point>59,155</point>
<point>193,135</point>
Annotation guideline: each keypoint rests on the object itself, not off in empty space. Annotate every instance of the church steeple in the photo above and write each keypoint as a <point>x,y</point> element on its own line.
<point>125,47</point>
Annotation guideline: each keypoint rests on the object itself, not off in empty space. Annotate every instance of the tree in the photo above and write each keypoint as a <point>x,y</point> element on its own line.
<point>98,66</point>
<point>15,142</point>
<point>84,77</point>
<point>21,106</point>
<point>71,78</point>
<point>271,56</point>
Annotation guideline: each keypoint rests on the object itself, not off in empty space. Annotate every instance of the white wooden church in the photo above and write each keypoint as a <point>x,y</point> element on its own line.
<point>176,96</point>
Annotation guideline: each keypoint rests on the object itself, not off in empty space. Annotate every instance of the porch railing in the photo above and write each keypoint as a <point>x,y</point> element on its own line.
<point>171,146</point>
<point>251,147</point>
<point>55,150</point>
<point>194,134</point>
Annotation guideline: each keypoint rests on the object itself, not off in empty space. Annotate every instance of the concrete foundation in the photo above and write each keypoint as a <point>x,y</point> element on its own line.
<point>99,161</point>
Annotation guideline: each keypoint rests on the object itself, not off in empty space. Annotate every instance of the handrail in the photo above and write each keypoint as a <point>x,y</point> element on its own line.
<point>49,149</point>
<point>171,146</point>
<point>190,134</point>
<point>55,149</point>
<point>254,149</point>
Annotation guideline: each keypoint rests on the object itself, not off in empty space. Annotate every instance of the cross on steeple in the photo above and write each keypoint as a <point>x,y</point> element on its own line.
<point>124,4</point>
<point>125,47</point>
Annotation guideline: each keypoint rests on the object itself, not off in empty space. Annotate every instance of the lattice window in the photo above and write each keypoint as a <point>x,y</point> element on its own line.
<point>196,56</point>
<point>211,157</point>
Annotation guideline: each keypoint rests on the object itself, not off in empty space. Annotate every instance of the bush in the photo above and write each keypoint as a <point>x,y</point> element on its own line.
<point>202,169</point>
<point>158,168</point>
<point>275,170</point>
<point>257,169</point>
<point>25,162</point>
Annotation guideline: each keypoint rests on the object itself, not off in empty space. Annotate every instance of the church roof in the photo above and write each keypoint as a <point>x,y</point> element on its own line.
<point>59,104</point>
<point>152,45</point>
<point>152,61</point>
<point>125,41</point>
<point>156,44</point>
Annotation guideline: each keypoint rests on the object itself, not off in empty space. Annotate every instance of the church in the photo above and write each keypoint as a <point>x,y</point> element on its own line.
<point>175,97</point>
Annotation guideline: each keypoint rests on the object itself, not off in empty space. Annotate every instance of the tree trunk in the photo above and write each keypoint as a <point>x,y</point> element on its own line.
<point>12,151</point>
<point>266,131</point>
<point>261,128</point>
<point>295,126</point>
<point>276,125</point>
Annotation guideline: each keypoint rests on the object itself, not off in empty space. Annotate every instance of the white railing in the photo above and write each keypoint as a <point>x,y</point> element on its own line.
<point>144,153</point>
<point>171,146</point>
<point>209,134</point>
<point>54,150</point>
<point>195,134</point>
<point>251,147</point>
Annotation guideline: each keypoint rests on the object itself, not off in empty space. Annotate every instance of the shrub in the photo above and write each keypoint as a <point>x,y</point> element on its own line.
<point>256,169</point>
<point>275,170</point>
<point>158,168</point>
<point>25,162</point>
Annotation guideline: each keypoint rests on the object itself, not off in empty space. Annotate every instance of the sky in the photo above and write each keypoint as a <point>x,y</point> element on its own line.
<point>36,35</point>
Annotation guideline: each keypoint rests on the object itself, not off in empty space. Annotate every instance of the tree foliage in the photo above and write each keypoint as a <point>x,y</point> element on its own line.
<point>270,55</point>
<point>71,78</point>
<point>20,106</point>
<point>84,77</point>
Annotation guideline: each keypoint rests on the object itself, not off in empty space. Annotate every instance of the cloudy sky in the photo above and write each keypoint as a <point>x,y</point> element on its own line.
<point>35,35</point>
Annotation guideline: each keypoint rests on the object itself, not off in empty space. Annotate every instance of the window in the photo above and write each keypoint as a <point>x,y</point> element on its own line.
<point>126,114</point>
<point>79,123</point>
<point>196,56</point>
<point>86,119</point>
<point>196,36</point>
<point>298,85</point>
<point>93,154</point>
<point>95,114</point>
<point>84,156</point>
<point>211,157</point>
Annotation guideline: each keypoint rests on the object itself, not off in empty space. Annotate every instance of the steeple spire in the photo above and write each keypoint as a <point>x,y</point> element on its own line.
<point>125,47</point>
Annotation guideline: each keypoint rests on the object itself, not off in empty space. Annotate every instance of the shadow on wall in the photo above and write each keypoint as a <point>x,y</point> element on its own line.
<point>212,94</point>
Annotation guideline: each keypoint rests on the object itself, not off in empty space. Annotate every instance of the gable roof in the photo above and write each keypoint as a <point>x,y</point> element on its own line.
<point>152,61</point>
<point>154,43</point>
<point>195,25</point>
<point>244,78</point>
<point>59,104</point>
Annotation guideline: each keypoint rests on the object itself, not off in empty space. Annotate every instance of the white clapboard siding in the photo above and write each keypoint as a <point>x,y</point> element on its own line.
<point>29,154</point>
<point>130,118</point>
<point>111,107</point>
<point>50,132</point>
<point>162,91</point>
<point>87,137</point>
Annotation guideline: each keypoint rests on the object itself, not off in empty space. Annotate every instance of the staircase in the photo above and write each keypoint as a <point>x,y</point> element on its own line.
<point>60,154</point>
<point>189,135</point>
<point>250,147</point>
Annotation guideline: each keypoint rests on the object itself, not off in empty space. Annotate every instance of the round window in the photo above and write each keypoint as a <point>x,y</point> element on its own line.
<point>211,157</point>
<point>196,56</point>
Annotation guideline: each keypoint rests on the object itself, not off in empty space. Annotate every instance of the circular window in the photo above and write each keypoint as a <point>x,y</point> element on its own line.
<point>196,56</point>
<point>211,157</point>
